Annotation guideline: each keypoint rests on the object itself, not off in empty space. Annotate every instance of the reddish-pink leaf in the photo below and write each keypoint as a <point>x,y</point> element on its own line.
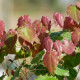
<point>69,47</point>
<point>2,33</point>
<point>24,21</point>
<point>76,37</point>
<point>58,46</point>
<point>47,44</point>
<point>69,23</point>
<point>78,4</point>
<point>58,19</point>
<point>46,22</point>
<point>50,61</point>
<point>38,26</point>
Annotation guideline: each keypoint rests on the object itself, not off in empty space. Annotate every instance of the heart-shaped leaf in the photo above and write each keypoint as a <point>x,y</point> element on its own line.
<point>50,61</point>
<point>46,22</point>
<point>27,34</point>
<point>58,19</point>
<point>74,13</point>
<point>38,26</point>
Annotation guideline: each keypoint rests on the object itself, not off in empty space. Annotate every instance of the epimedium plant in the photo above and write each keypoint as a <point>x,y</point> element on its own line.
<point>52,55</point>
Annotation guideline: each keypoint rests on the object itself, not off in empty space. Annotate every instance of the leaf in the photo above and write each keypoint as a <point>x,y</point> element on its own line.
<point>58,19</point>
<point>2,54</point>
<point>10,39</point>
<point>58,46</point>
<point>66,35</point>
<point>68,47</point>
<point>46,78</point>
<point>72,73</point>
<point>60,35</point>
<point>74,12</point>
<point>38,26</point>
<point>2,77</point>
<point>2,33</point>
<point>40,70</point>
<point>46,22</point>
<point>70,61</point>
<point>37,58</point>
<point>77,59</point>
<point>50,61</point>
<point>24,21</point>
<point>76,37</point>
<point>61,71</point>
<point>27,34</point>
<point>47,44</point>
<point>70,23</point>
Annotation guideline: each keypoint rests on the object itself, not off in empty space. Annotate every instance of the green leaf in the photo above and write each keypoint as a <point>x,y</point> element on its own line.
<point>46,78</point>
<point>56,36</point>
<point>37,58</point>
<point>70,61</point>
<point>77,59</point>
<point>72,73</point>
<point>61,35</point>
<point>74,12</point>
<point>66,35</point>
<point>2,77</point>
<point>2,54</point>
<point>61,71</point>
<point>40,70</point>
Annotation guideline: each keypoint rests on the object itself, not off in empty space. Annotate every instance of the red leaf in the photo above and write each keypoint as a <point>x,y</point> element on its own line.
<point>47,44</point>
<point>76,37</point>
<point>58,19</point>
<point>46,22</point>
<point>58,46</point>
<point>50,61</point>
<point>69,23</point>
<point>2,28</point>
<point>38,26</point>
<point>69,47</point>
<point>24,21</point>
